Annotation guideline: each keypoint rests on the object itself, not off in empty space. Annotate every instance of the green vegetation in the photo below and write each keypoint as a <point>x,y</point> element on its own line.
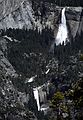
<point>57,104</point>
<point>78,94</point>
<point>57,98</point>
<point>81,57</point>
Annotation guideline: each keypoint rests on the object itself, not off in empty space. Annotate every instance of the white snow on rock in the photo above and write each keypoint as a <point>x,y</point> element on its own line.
<point>9,38</point>
<point>47,71</point>
<point>32,79</point>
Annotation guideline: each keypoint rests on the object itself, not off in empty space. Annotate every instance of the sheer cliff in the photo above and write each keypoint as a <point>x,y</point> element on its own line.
<point>28,14</point>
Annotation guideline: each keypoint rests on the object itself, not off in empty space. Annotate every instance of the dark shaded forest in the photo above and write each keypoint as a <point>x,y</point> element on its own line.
<point>33,41</point>
<point>28,41</point>
<point>64,2</point>
<point>30,52</point>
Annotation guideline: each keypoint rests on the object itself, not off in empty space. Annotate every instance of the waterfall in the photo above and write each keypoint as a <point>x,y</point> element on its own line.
<point>38,93</point>
<point>62,32</point>
<point>36,96</point>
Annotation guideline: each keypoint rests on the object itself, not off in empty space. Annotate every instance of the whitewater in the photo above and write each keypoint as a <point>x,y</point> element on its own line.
<point>62,31</point>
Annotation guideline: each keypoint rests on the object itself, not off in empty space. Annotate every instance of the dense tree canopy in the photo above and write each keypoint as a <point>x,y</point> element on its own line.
<point>64,2</point>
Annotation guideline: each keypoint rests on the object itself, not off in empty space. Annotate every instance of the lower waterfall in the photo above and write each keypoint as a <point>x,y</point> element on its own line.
<point>36,96</point>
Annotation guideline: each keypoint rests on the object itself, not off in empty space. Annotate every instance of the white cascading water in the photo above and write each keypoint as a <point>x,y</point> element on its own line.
<point>36,96</point>
<point>62,32</point>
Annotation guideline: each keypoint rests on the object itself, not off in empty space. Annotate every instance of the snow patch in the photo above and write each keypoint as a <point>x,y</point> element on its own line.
<point>47,71</point>
<point>32,79</point>
<point>9,38</point>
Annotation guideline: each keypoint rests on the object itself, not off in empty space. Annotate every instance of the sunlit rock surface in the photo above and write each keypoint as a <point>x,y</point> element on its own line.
<point>73,16</point>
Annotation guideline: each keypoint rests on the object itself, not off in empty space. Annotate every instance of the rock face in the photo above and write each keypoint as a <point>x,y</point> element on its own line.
<point>23,14</point>
<point>15,14</point>
<point>73,16</point>
<point>4,63</point>
<point>19,14</point>
<point>11,99</point>
<point>81,24</point>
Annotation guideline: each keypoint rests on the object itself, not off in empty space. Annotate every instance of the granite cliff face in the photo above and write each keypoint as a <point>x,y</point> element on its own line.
<point>12,100</point>
<point>74,19</point>
<point>19,14</point>
<point>23,14</point>
<point>14,14</point>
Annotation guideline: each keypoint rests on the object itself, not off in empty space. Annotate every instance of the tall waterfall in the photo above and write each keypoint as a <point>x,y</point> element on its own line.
<point>62,32</point>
